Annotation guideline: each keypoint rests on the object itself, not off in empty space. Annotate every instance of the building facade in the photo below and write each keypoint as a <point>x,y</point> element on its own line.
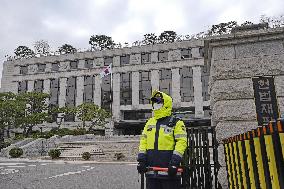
<point>72,79</point>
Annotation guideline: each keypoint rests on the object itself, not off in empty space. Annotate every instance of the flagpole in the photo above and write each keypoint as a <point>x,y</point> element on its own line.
<point>111,97</point>
<point>111,92</point>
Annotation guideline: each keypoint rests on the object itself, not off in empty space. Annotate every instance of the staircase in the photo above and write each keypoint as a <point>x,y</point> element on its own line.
<point>100,150</point>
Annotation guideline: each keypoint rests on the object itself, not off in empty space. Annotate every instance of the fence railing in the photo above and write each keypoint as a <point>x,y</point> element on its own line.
<point>255,159</point>
<point>201,159</point>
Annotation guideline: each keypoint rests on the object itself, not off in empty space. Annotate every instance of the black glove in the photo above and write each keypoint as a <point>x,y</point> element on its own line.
<point>141,167</point>
<point>172,170</point>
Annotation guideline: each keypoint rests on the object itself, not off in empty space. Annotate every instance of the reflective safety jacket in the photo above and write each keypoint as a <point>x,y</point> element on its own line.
<point>163,137</point>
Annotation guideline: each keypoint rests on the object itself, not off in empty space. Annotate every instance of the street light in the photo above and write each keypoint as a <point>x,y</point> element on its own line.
<point>59,119</point>
<point>42,150</point>
<point>27,113</point>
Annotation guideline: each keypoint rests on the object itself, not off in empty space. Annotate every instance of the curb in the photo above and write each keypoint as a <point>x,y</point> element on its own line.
<point>64,161</point>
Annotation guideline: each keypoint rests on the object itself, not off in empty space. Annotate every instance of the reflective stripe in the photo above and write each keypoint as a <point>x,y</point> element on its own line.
<point>180,136</point>
<point>177,153</point>
<point>142,152</point>
<point>159,173</point>
<point>163,126</point>
<point>151,126</point>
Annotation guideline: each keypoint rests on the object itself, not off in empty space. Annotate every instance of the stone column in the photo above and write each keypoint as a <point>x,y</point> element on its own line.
<point>48,67</point>
<point>81,64</point>
<point>135,90</point>
<point>14,87</point>
<point>80,90</point>
<point>16,69</point>
<point>62,92</point>
<point>116,96</point>
<point>195,52</point>
<point>155,79</point>
<point>116,61</point>
<point>176,87</point>
<point>31,84</point>
<point>154,57</point>
<point>98,90</point>
<point>197,84</point>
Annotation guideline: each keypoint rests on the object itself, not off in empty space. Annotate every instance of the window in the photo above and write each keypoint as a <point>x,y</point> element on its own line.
<point>145,88</point>
<point>38,86</point>
<point>108,60</point>
<point>54,92</point>
<point>55,66</point>
<point>74,64</point>
<point>186,84</point>
<point>165,81</point>
<point>106,97</point>
<point>162,55</point>
<point>23,70</point>
<point>145,58</point>
<point>89,63</point>
<point>71,91</point>
<point>201,51</point>
<point>125,89</point>
<point>205,71</point>
<point>124,59</point>
<point>89,87</point>
<point>22,86</point>
<point>185,53</point>
<point>41,67</point>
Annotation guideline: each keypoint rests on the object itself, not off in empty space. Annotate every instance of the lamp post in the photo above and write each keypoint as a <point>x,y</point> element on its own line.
<point>41,152</point>
<point>27,113</point>
<point>59,119</point>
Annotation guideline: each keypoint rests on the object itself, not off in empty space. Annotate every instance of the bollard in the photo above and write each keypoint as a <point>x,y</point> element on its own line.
<point>256,159</point>
<point>271,156</point>
<point>249,161</point>
<point>243,164</point>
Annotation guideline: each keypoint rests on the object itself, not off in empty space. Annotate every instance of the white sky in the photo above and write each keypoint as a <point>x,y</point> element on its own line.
<point>22,22</point>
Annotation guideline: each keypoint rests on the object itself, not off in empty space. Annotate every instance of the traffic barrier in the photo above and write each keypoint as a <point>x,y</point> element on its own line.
<point>255,159</point>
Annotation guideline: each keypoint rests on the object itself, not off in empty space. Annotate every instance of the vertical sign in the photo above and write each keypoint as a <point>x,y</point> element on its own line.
<point>265,99</point>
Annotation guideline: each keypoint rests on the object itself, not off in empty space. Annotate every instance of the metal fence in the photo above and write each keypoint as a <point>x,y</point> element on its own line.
<point>255,159</point>
<point>201,159</point>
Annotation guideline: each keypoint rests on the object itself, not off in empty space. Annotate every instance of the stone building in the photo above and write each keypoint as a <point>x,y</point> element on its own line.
<point>175,68</point>
<point>235,59</point>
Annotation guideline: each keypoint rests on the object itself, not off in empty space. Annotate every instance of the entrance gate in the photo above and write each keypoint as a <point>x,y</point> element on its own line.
<point>201,159</point>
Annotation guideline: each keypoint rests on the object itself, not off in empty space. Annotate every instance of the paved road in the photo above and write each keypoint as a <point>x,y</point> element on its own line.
<point>62,175</point>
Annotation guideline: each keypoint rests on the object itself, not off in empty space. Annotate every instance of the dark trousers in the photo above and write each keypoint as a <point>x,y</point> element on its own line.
<point>154,183</point>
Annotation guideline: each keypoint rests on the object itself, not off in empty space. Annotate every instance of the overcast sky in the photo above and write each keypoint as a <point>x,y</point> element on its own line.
<point>22,22</point>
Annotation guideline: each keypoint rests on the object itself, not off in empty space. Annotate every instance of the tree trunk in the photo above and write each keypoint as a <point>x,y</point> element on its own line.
<point>8,132</point>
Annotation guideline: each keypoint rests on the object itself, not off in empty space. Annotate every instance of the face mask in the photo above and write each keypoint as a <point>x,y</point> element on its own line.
<point>157,106</point>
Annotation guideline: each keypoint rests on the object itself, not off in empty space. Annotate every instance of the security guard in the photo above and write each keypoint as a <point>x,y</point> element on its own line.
<point>162,144</point>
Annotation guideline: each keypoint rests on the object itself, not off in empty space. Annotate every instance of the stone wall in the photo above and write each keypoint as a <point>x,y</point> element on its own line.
<point>235,59</point>
<point>110,145</point>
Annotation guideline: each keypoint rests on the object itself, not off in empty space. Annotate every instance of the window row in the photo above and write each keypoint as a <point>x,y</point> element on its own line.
<point>145,87</point>
<point>124,60</point>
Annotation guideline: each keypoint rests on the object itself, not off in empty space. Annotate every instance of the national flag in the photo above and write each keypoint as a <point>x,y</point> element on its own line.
<point>106,71</point>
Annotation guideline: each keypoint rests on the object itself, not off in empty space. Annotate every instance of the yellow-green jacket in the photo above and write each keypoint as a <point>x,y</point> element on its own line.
<point>164,138</point>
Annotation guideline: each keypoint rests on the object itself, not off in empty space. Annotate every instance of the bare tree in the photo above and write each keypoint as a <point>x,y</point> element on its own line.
<point>42,48</point>
<point>273,22</point>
